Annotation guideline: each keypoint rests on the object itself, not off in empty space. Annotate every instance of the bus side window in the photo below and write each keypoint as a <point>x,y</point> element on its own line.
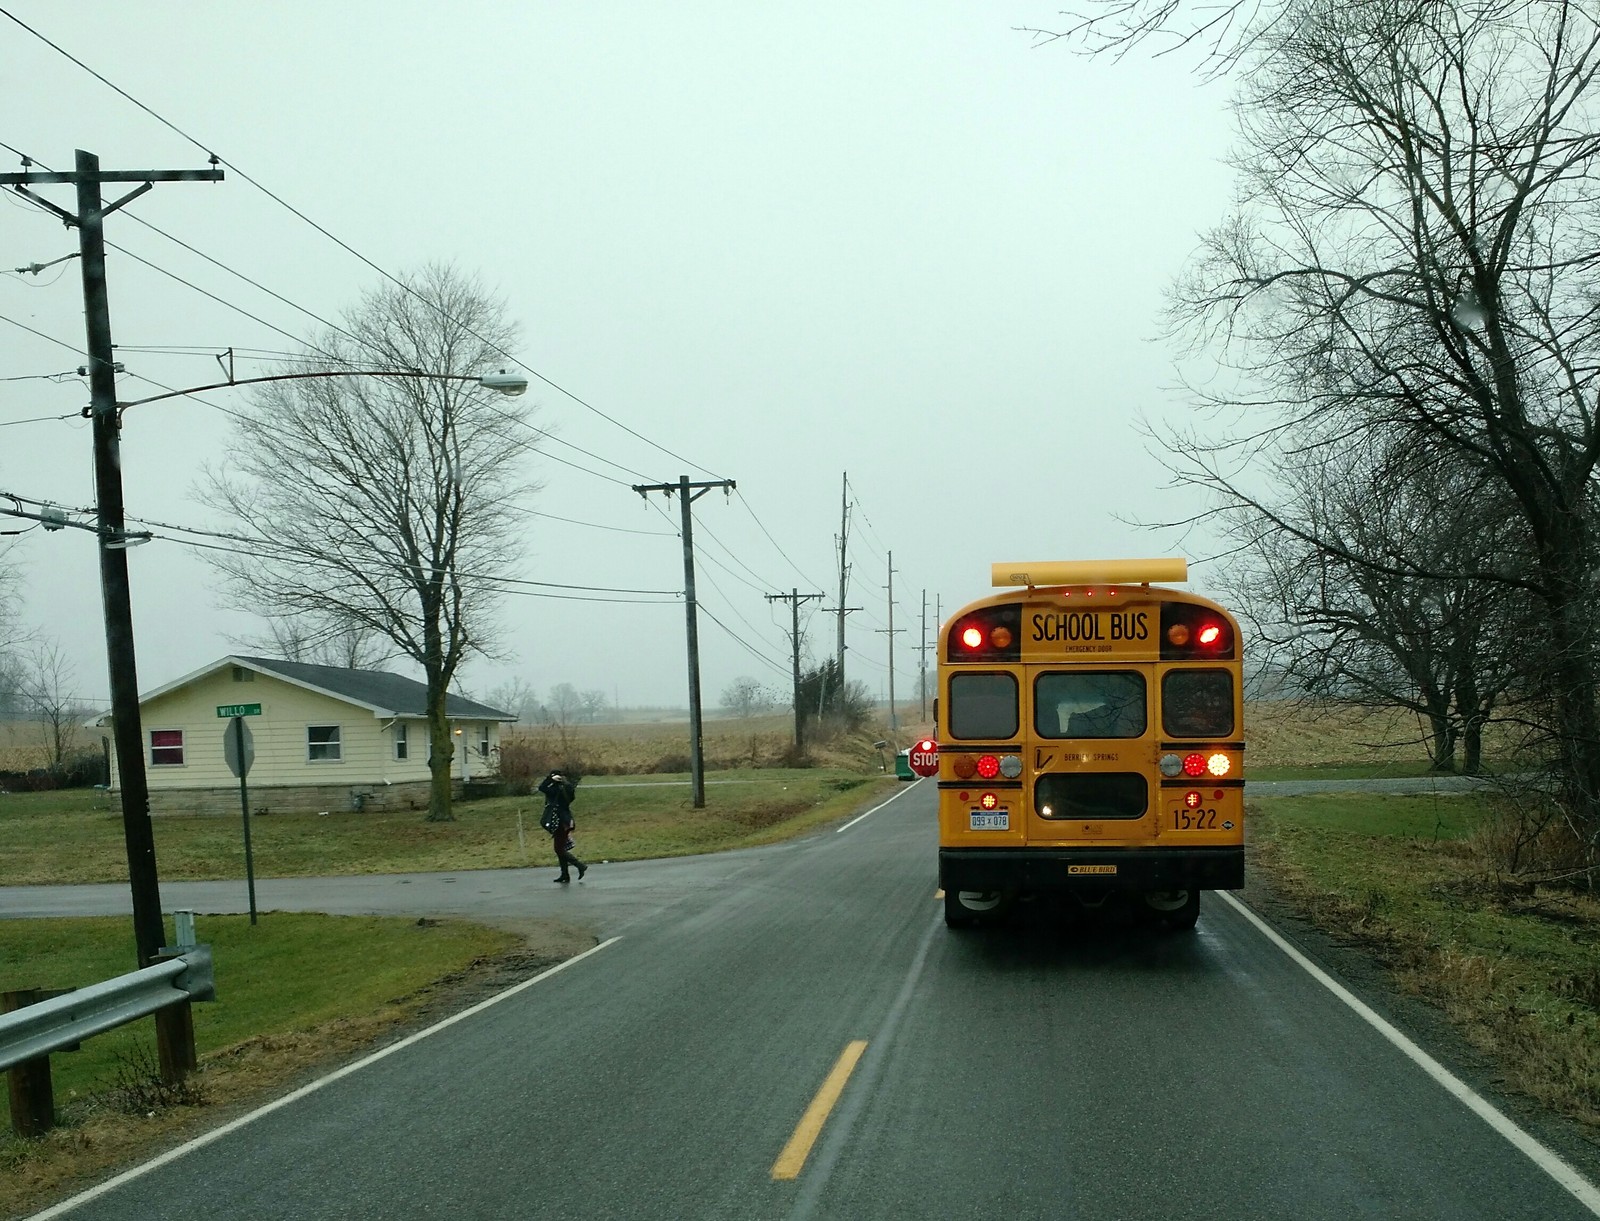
<point>1197,703</point>
<point>983,706</point>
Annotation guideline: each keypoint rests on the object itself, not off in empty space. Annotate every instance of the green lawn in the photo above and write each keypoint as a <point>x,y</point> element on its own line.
<point>290,972</point>
<point>1512,963</point>
<point>1343,771</point>
<point>48,838</point>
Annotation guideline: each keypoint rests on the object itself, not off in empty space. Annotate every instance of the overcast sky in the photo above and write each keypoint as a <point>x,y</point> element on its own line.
<point>781,240</point>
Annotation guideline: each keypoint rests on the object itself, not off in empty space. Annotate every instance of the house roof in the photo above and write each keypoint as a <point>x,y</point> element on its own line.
<point>388,695</point>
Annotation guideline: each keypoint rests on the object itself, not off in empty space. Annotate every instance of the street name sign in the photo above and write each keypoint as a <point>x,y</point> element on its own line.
<point>229,710</point>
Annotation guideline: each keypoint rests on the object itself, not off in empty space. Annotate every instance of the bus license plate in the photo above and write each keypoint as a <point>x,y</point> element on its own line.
<point>986,820</point>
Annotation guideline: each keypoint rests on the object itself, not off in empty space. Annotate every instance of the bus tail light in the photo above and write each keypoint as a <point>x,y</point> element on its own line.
<point>1191,632</point>
<point>990,633</point>
<point>964,767</point>
<point>1194,764</point>
<point>988,766</point>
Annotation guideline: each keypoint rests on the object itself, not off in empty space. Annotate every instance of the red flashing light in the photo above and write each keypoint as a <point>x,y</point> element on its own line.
<point>1210,634</point>
<point>988,766</point>
<point>926,744</point>
<point>1194,765</point>
<point>972,638</point>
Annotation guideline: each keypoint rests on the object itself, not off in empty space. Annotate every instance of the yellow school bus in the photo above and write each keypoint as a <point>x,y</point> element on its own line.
<point>1090,742</point>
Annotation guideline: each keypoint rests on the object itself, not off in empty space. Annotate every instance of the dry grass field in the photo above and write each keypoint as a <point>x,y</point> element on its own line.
<point>1278,734</point>
<point>21,746</point>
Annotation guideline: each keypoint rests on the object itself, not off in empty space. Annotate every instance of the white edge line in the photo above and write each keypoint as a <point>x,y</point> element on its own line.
<point>234,1125</point>
<point>878,807</point>
<point>1546,1159</point>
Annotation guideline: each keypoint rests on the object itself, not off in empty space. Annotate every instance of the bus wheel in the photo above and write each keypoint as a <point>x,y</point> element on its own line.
<point>964,908</point>
<point>1173,909</point>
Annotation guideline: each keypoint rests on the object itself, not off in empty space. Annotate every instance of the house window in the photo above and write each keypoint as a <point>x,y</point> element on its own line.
<point>400,742</point>
<point>241,675</point>
<point>166,748</point>
<point>322,743</point>
<point>483,740</point>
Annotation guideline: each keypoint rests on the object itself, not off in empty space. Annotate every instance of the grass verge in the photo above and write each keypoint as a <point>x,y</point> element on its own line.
<point>354,978</point>
<point>1407,878</point>
<point>74,836</point>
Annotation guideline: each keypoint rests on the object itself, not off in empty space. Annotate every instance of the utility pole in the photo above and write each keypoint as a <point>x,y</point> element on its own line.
<point>697,767</point>
<point>894,721</point>
<point>794,598</point>
<point>844,568</point>
<point>922,663</point>
<point>87,176</point>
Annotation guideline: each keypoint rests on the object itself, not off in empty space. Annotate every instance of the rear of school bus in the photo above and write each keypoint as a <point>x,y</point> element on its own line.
<point>1090,743</point>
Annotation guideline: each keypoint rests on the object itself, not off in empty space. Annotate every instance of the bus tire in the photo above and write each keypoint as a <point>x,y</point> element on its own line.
<point>964,908</point>
<point>1174,910</point>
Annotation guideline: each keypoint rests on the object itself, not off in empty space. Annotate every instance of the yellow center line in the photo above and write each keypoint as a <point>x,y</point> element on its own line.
<point>794,1154</point>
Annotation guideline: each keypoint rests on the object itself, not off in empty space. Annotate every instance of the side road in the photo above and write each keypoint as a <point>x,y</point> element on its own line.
<point>612,898</point>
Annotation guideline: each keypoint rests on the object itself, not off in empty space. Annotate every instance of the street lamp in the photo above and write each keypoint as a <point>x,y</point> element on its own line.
<point>507,383</point>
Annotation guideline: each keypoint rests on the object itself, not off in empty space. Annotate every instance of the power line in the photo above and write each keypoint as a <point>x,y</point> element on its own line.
<point>173,127</point>
<point>750,510</point>
<point>324,353</point>
<point>40,419</point>
<point>593,525</point>
<point>749,648</point>
<point>275,545</point>
<point>24,326</point>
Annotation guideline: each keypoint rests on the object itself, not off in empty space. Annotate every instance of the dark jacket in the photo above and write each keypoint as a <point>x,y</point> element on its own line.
<point>558,796</point>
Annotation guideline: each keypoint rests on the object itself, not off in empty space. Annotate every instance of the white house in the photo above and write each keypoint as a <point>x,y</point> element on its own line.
<point>325,738</point>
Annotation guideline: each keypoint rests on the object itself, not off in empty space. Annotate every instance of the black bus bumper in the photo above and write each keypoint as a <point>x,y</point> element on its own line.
<point>1090,870</point>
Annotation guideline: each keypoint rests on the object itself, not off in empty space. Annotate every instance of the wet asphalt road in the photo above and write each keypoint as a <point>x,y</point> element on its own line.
<point>1037,1070</point>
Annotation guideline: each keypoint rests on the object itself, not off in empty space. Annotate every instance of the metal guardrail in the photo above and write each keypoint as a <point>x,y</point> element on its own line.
<point>53,1025</point>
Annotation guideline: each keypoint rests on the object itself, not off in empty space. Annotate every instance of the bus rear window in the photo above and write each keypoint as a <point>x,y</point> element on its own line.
<point>1091,795</point>
<point>1197,704</point>
<point>983,706</point>
<point>1089,704</point>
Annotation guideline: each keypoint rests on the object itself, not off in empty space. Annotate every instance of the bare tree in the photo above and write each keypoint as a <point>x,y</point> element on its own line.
<point>13,637</point>
<point>379,503</point>
<point>564,704</point>
<point>48,679</point>
<point>745,697</point>
<point>515,695</point>
<point>1413,257</point>
<point>1331,581</point>
<point>594,704</point>
<point>352,646</point>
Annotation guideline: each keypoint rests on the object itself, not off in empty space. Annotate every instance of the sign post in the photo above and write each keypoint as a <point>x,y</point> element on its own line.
<point>238,749</point>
